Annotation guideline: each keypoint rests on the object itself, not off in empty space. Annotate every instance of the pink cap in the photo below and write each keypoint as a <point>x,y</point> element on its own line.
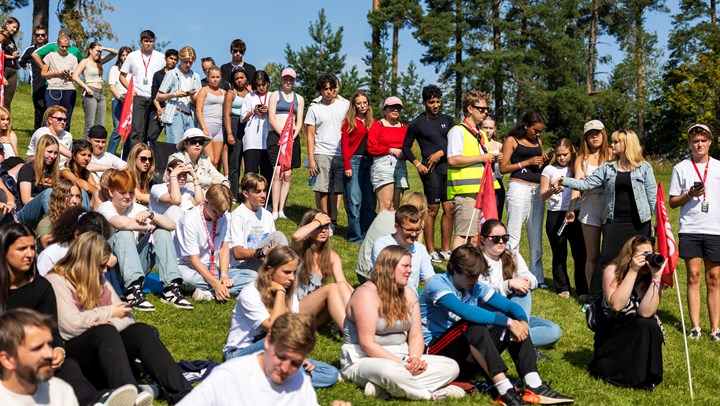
<point>392,101</point>
<point>703,126</point>
<point>288,72</point>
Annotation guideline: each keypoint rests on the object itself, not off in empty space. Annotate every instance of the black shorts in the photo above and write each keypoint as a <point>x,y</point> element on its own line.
<point>705,246</point>
<point>435,187</point>
<point>274,150</point>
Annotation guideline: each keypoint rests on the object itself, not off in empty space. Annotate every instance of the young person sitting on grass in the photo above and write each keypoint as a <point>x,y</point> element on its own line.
<point>173,199</point>
<point>76,168</point>
<point>100,161</point>
<point>261,303</point>
<point>252,229</point>
<point>137,255</point>
<point>64,194</point>
<point>203,251</point>
<point>457,326</point>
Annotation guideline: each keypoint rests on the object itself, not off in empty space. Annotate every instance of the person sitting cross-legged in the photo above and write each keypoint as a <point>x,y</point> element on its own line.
<point>137,255</point>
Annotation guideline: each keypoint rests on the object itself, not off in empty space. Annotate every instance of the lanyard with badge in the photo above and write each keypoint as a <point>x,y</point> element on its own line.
<point>704,205</point>
<point>145,79</point>
<point>211,241</point>
<point>480,139</point>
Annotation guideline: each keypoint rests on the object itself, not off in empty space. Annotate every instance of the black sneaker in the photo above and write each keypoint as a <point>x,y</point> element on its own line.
<point>547,395</point>
<point>171,295</point>
<point>510,398</point>
<point>136,298</point>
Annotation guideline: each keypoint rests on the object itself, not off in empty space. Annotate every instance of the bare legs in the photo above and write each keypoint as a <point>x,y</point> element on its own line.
<point>712,279</point>
<point>280,190</point>
<point>327,303</point>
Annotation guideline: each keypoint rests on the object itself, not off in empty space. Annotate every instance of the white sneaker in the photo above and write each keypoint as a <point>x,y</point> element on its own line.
<point>376,391</point>
<point>275,215</point>
<point>200,295</point>
<point>152,389</point>
<point>448,392</point>
<point>282,215</point>
<point>122,396</point>
<point>144,399</point>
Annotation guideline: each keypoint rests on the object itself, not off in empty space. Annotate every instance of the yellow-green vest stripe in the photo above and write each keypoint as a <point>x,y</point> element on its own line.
<point>466,180</point>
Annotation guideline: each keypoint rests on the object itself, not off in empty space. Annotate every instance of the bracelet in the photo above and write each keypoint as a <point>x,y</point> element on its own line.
<point>509,322</point>
<point>62,350</point>
<point>656,283</point>
<point>520,165</point>
<point>151,215</point>
<point>417,165</point>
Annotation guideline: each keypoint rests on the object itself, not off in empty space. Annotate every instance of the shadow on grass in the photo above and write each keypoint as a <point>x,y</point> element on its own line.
<point>668,319</point>
<point>295,212</point>
<point>580,358</point>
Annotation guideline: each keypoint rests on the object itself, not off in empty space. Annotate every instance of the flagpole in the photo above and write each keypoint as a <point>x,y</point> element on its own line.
<point>682,323</point>
<point>272,180</point>
<point>472,219</point>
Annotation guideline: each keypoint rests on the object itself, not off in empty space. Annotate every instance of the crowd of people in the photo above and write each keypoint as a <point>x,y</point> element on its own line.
<point>103,222</point>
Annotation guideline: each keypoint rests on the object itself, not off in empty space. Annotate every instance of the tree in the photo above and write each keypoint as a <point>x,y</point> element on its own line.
<point>410,92</point>
<point>85,20</point>
<point>322,56</point>
<point>379,68</point>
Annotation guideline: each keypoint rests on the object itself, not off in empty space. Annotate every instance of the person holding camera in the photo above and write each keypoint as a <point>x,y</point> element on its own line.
<point>628,334</point>
<point>692,185</point>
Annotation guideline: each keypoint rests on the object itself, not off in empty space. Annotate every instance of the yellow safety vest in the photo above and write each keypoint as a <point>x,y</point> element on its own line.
<point>467,179</point>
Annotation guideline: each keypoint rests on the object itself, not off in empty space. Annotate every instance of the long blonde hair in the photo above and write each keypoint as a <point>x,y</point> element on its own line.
<point>59,198</point>
<point>3,113</point>
<point>393,305</point>
<point>81,267</point>
<point>38,162</point>
<point>277,257</point>
<point>633,150</point>
<point>351,113</point>
<point>142,179</point>
<point>309,249</point>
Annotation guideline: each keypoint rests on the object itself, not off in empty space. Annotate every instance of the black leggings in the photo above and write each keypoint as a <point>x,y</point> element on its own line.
<point>106,355</point>
<point>558,244</point>
<point>258,161</point>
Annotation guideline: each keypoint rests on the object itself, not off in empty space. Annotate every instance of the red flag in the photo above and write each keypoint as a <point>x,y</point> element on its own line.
<point>665,239</point>
<point>485,201</point>
<point>126,113</point>
<point>286,143</point>
<point>2,75</point>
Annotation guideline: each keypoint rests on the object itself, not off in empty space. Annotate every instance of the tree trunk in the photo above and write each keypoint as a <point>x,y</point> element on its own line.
<point>374,77</point>
<point>458,58</point>
<point>41,12</point>
<point>592,47</point>
<point>639,54</point>
<point>713,12</point>
<point>497,46</point>
<point>395,47</point>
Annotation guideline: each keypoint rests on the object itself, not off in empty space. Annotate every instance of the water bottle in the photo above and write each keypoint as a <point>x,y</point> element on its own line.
<point>313,178</point>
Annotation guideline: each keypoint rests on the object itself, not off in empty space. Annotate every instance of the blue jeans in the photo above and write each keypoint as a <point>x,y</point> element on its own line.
<point>240,277</point>
<point>324,375</point>
<point>115,138</point>
<point>65,98</point>
<point>135,260</point>
<point>543,333</point>
<point>181,123</point>
<point>359,198</point>
<point>35,209</point>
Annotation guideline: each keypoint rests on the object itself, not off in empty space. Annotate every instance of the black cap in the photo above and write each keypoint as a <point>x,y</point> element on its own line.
<point>97,131</point>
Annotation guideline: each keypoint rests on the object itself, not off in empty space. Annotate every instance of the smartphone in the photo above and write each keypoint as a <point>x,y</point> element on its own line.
<point>551,153</point>
<point>698,185</point>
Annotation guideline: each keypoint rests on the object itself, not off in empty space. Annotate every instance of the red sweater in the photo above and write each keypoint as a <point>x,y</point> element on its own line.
<point>351,141</point>
<point>381,138</point>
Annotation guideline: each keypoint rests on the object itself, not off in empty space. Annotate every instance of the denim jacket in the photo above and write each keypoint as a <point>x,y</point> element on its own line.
<point>643,185</point>
<point>171,84</point>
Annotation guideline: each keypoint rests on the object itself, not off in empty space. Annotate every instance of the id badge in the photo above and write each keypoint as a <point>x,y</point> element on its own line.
<point>145,81</point>
<point>704,206</point>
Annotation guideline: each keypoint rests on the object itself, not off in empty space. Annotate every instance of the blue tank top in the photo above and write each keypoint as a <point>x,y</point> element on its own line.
<point>529,173</point>
<point>237,105</point>
<point>283,107</point>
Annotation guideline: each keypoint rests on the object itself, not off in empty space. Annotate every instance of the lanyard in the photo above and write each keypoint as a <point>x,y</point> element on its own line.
<point>211,239</point>
<point>146,64</point>
<point>478,136</point>
<point>704,177</point>
<point>264,100</point>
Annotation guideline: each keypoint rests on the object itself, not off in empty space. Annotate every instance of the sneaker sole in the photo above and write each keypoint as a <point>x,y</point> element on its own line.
<point>544,400</point>
<point>179,306</point>
<point>144,399</point>
<point>144,309</point>
<point>122,396</point>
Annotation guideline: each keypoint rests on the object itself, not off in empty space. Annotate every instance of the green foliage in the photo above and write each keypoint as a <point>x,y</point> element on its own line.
<point>410,92</point>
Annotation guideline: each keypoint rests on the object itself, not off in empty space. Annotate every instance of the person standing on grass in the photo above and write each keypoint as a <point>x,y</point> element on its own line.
<point>118,92</point>
<point>235,128</point>
<point>91,68</point>
<point>324,132</point>
<point>58,70</point>
<point>155,124</point>
<point>11,56</point>
<point>237,50</point>
<point>209,114</point>
<point>179,89</point>
<point>490,127</point>
<point>430,129</point>
<point>38,83</point>
<point>692,188</point>
<point>468,151</point>
<point>142,65</point>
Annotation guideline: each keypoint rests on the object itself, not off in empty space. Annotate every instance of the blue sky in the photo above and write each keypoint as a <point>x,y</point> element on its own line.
<point>267,28</point>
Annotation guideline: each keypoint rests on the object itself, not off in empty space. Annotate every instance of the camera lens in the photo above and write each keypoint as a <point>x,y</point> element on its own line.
<point>654,259</point>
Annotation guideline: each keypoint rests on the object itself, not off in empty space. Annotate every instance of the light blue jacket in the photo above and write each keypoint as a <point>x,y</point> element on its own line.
<point>643,185</point>
<point>171,84</point>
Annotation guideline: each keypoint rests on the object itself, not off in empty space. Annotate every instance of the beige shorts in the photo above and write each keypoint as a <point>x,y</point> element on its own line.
<point>463,209</point>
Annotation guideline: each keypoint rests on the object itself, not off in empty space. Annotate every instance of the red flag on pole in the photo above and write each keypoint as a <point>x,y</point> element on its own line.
<point>126,112</point>
<point>2,75</point>
<point>485,201</point>
<point>665,239</point>
<point>286,143</point>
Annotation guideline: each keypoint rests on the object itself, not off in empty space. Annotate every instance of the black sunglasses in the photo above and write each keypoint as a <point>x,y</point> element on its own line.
<point>238,51</point>
<point>62,119</point>
<point>497,238</point>
<point>481,109</point>
<point>196,141</point>
<point>145,159</point>
<point>41,35</point>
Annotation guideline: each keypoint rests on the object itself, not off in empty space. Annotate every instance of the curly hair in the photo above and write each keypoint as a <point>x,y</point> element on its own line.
<point>142,180</point>
<point>310,248</point>
<point>277,257</point>
<point>59,198</point>
<point>393,305</point>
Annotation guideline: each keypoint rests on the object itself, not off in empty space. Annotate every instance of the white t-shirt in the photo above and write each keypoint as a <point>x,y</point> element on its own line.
<point>247,317</point>
<point>327,119</point>
<point>495,277</point>
<point>54,392</point>
<point>191,236</point>
<point>256,129</point>
<point>135,65</point>
<point>241,381</point>
<point>455,141</point>
<point>50,256</point>
<point>692,219</point>
<point>108,211</point>
<point>114,79</point>
<point>65,138</point>
<point>248,228</point>
<point>560,201</point>
<point>160,189</point>
<point>106,159</point>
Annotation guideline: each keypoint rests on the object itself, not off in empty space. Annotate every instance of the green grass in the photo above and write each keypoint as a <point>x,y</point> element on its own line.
<point>201,334</point>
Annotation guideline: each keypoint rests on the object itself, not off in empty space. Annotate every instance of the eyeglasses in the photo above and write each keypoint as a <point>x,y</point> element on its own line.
<point>238,51</point>
<point>481,109</point>
<point>145,159</point>
<point>411,230</point>
<point>61,119</point>
<point>497,238</point>
<point>196,141</point>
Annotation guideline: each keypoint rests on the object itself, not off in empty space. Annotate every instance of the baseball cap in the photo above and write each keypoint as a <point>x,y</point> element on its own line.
<point>392,101</point>
<point>593,125</point>
<point>288,72</point>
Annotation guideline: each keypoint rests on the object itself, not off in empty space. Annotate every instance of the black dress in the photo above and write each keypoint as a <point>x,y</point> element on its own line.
<point>628,348</point>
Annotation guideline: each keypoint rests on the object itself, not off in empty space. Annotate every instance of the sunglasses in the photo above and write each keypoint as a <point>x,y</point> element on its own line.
<point>145,159</point>
<point>196,141</point>
<point>238,51</point>
<point>481,109</point>
<point>41,35</point>
<point>61,119</point>
<point>497,238</point>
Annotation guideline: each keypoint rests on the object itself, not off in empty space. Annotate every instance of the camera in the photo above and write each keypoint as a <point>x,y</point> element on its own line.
<point>654,259</point>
